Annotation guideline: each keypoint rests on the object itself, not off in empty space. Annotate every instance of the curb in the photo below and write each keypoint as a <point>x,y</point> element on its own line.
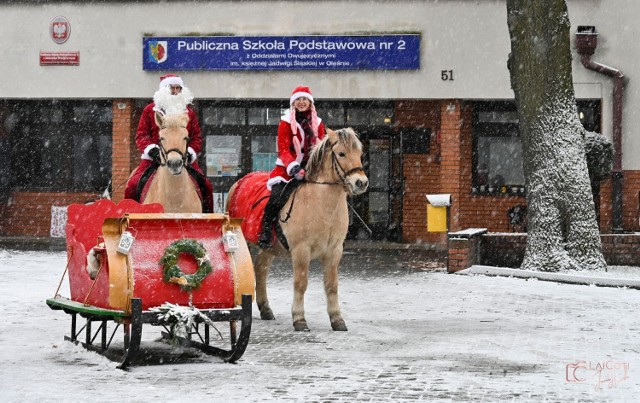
<point>565,278</point>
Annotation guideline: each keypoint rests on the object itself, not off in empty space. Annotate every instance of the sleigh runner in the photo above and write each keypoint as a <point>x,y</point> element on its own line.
<point>177,263</point>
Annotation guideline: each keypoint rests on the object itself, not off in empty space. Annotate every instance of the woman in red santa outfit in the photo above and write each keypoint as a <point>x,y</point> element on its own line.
<point>300,129</point>
<point>172,97</point>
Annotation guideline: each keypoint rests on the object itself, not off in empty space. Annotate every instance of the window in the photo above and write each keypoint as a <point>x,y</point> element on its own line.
<point>370,116</point>
<point>265,116</point>
<point>497,152</point>
<point>332,117</point>
<point>224,155</point>
<point>415,140</point>
<point>60,145</point>
<point>264,152</point>
<point>219,116</point>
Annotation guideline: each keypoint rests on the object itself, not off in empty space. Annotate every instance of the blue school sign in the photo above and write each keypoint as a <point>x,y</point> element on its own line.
<point>344,52</point>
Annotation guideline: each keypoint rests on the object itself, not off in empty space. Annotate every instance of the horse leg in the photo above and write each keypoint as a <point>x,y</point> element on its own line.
<point>330,265</point>
<point>300,261</point>
<point>261,270</point>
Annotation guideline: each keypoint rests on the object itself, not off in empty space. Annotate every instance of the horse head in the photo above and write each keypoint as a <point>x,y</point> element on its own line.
<point>173,141</point>
<point>338,158</point>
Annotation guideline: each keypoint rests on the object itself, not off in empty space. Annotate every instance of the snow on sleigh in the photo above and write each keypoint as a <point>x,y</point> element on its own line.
<point>183,272</point>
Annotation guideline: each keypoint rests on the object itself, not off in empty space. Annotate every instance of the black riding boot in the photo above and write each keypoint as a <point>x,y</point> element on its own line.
<point>270,215</point>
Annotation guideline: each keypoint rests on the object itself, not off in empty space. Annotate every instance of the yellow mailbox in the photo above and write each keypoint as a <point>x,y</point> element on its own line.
<point>437,211</point>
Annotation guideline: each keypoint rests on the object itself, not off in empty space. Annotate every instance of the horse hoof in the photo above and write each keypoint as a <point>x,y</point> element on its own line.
<point>301,326</point>
<point>266,313</point>
<point>339,326</point>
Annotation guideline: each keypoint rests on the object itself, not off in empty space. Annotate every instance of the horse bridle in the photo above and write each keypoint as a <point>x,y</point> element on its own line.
<point>342,174</point>
<point>339,170</point>
<point>165,153</point>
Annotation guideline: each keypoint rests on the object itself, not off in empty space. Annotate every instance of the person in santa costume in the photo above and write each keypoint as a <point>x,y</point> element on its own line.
<point>299,130</point>
<point>171,98</point>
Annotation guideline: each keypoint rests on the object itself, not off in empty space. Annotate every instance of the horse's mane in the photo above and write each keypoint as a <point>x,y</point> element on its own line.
<point>346,137</point>
<point>173,120</point>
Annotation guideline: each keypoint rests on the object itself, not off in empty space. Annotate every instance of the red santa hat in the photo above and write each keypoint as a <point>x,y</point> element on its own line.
<point>300,92</point>
<point>170,79</point>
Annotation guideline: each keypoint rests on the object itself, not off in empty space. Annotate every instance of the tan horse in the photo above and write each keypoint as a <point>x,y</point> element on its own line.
<point>317,224</point>
<point>172,186</point>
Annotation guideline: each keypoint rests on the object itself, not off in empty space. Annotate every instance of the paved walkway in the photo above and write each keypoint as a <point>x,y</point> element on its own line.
<point>425,335</point>
<point>415,333</point>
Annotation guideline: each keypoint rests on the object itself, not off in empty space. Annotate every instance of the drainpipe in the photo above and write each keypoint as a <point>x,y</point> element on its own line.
<point>586,42</point>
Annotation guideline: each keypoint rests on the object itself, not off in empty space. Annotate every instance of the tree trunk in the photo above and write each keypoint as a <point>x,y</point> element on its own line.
<point>562,229</point>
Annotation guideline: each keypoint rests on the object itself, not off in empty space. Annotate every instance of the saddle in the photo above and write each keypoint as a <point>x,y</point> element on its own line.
<point>145,181</point>
<point>249,200</point>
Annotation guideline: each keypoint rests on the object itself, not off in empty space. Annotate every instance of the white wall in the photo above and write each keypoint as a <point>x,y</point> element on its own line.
<point>466,36</point>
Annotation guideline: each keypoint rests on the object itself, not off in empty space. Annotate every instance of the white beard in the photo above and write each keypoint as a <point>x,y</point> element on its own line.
<point>169,104</point>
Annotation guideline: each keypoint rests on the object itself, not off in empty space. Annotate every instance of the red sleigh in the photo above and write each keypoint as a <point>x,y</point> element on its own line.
<point>134,287</point>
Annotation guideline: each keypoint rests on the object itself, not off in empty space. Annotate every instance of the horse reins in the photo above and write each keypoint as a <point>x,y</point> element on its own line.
<point>342,175</point>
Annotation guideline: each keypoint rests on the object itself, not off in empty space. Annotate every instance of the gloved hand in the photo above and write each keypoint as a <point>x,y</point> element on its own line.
<point>295,170</point>
<point>300,175</point>
<point>154,153</point>
<point>190,155</point>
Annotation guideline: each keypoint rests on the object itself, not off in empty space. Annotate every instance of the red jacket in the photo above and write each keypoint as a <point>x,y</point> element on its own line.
<point>148,135</point>
<point>286,151</point>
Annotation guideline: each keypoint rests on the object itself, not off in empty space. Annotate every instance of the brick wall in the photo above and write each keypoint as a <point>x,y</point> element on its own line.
<point>605,209</point>
<point>631,200</point>
<point>29,213</point>
<point>452,152</point>
<point>460,254</point>
<point>507,250</point>
<point>122,163</point>
<point>446,169</point>
<point>421,172</point>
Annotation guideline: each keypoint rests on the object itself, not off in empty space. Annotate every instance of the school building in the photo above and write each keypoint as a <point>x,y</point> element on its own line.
<point>424,83</point>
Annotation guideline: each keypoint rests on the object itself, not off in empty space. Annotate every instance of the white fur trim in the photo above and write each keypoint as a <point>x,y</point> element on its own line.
<point>273,181</point>
<point>287,116</point>
<point>145,155</point>
<point>171,81</point>
<point>194,156</point>
<point>300,94</point>
<point>291,166</point>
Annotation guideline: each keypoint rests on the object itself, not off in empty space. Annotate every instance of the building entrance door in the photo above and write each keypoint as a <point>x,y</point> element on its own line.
<point>371,215</point>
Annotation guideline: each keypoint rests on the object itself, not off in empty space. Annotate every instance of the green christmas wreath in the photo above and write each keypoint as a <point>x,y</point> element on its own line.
<point>171,271</point>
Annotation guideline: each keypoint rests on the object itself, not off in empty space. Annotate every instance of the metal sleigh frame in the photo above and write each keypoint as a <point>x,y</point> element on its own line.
<point>132,325</point>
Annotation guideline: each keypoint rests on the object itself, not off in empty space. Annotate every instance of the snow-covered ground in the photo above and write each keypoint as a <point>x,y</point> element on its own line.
<point>413,335</point>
